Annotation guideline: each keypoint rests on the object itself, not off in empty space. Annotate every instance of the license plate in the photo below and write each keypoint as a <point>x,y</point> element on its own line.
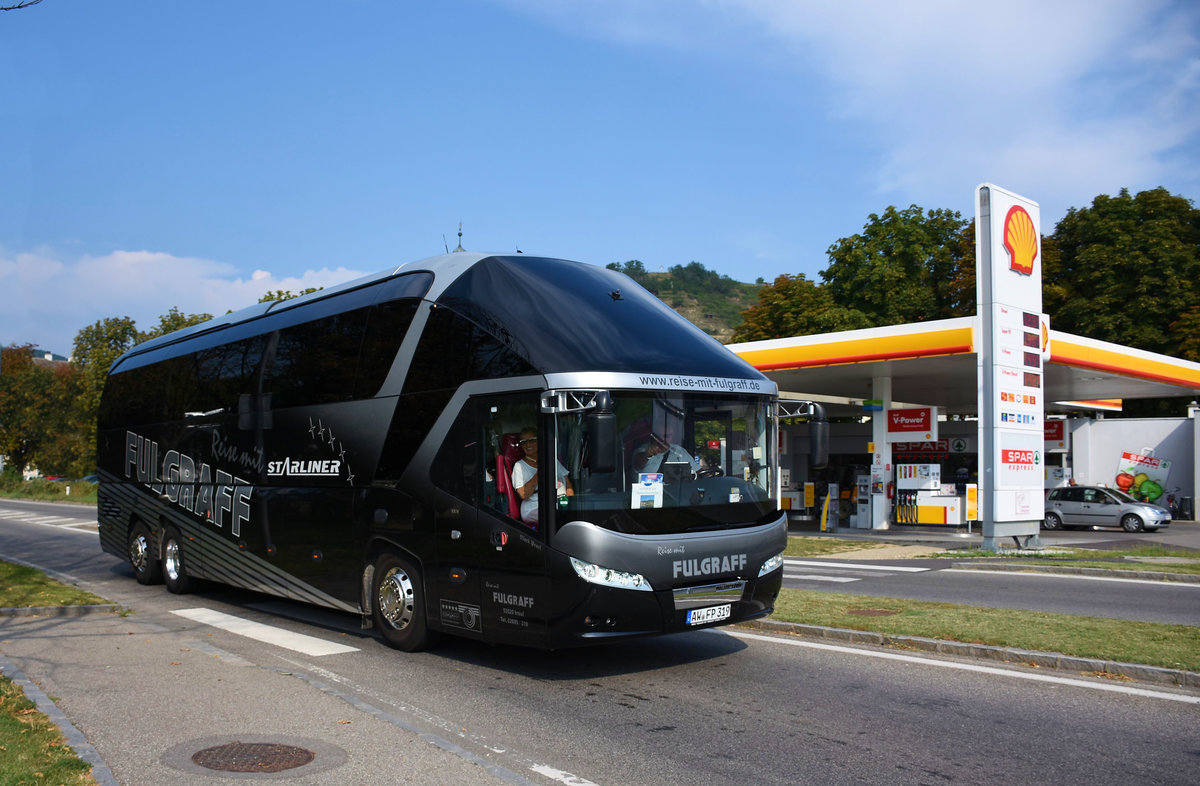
<point>710,614</point>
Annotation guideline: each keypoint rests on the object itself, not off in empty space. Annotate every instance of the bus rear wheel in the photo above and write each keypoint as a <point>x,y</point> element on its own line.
<point>174,565</point>
<point>143,556</point>
<point>398,603</point>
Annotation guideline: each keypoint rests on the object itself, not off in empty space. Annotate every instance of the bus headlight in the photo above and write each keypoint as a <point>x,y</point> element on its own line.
<point>608,577</point>
<point>772,564</point>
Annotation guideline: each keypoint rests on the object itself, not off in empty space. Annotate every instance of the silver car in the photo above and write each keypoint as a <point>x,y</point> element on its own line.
<point>1094,506</point>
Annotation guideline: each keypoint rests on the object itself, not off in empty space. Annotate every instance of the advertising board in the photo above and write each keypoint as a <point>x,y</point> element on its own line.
<point>1013,349</point>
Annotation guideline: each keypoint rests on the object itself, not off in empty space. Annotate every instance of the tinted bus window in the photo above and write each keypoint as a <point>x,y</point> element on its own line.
<point>219,375</point>
<point>315,362</point>
<point>453,350</point>
<point>529,302</point>
<point>386,327</point>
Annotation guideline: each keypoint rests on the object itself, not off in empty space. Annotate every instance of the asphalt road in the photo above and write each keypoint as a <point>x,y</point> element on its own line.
<point>702,707</point>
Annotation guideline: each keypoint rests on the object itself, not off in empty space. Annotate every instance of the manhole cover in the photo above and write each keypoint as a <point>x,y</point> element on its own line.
<point>872,612</point>
<point>253,757</point>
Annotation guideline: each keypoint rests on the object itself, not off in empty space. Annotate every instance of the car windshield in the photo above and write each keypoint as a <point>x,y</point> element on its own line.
<point>1121,495</point>
<point>684,462</point>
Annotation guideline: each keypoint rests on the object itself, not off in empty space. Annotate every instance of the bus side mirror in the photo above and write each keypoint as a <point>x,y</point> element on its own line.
<point>818,438</point>
<point>602,435</point>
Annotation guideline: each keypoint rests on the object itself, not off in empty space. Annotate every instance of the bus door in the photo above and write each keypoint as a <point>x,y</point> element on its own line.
<point>489,564</point>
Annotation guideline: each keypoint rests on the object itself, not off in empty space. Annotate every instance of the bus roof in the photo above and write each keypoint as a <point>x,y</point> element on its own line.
<point>561,316</point>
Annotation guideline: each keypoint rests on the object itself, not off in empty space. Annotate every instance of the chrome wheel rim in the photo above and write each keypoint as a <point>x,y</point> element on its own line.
<point>139,553</point>
<point>397,599</point>
<point>172,560</point>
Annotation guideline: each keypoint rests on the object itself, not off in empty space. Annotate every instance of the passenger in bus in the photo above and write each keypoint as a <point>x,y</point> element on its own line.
<point>651,456</point>
<point>525,477</point>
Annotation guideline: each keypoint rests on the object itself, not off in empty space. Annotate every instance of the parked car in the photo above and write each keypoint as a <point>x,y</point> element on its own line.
<point>1096,506</point>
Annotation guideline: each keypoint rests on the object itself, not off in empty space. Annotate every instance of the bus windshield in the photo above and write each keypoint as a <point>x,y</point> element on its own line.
<point>686,462</point>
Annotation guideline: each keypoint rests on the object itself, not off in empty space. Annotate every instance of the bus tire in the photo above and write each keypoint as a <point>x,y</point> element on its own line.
<point>143,555</point>
<point>174,563</point>
<point>398,603</point>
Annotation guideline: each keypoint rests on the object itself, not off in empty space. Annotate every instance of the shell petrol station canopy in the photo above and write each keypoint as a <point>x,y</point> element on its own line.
<point>935,364</point>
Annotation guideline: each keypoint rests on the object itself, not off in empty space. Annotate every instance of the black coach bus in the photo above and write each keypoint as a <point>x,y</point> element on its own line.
<point>375,448</point>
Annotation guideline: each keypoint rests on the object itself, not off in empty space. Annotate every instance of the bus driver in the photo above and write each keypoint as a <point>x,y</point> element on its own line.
<point>525,477</point>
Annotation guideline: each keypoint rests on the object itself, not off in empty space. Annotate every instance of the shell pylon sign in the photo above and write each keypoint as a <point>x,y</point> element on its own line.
<point>1013,348</point>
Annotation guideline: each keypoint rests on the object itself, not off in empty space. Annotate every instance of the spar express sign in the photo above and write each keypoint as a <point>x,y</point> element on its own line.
<point>915,424</point>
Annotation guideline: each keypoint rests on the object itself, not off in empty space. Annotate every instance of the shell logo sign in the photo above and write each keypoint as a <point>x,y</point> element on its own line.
<point>1020,240</point>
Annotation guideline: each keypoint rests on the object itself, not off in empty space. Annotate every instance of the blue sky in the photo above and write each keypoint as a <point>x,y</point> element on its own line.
<point>199,154</point>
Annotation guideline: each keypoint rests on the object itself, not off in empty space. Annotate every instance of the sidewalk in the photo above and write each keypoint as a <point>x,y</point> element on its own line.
<point>144,695</point>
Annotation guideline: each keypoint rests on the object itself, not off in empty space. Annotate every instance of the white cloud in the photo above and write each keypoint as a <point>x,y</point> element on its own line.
<point>49,299</point>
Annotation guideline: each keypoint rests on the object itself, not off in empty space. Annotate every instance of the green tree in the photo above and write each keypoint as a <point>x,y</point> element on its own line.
<point>97,347</point>
<point>901,267</point>
<point>1129,271</point>
<point>795,306</point>
<point>1185,334</point>
<point>68,430</point>
<point>695,277</point>
<point>24,389</point>
<point>635,270</point>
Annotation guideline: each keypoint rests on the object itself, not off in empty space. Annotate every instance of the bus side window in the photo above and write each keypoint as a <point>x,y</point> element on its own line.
<point>452,351</point>
<point>315,362</point>
<point>458,465</point>
<point>387,325</point>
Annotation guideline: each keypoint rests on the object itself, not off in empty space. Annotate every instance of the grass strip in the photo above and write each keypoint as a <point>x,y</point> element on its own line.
<point>23,587</point>
<point>32,748</point>
<point>1148,643</point>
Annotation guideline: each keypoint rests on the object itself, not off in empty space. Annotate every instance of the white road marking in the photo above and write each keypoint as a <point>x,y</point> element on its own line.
<point>855,566</point>
<point>815,577</point>
<point>298,642</point>
<point>1035,574</point>
<point>57,522</point>
<point>1021,675</point>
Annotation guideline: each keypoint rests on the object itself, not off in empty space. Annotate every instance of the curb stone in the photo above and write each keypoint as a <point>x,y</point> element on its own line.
<point>74,737</point>
<point>1049,660</point>
<point>58,611</point>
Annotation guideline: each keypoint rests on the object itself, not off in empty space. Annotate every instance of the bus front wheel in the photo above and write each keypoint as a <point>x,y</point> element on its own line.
<point>399,603</point>
<point>174,565</point>
<point>143,556</point>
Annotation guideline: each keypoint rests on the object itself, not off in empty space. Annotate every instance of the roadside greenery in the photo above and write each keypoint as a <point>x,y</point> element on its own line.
<point>13,487</point>
<point>1153,644</point>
